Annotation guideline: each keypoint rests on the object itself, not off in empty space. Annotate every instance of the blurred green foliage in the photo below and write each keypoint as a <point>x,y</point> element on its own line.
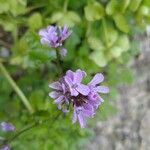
<point>101,42</point>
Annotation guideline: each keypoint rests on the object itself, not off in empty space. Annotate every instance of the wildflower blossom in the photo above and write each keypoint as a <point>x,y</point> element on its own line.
<point>6,147</point>
<point>54,36</point>
<point>5,126</point>
<point>85,99</point>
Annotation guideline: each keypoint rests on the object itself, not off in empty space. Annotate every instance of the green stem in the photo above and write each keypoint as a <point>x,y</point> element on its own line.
<point>59,64</point>
<point>29,127</point>
<point>65,5</point>
<point>16,88</point>
<point>105,31</point>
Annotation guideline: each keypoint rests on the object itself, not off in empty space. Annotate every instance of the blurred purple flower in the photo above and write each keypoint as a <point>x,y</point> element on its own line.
<point>60,94</point>
<point>54,36</point>
<point>85,99</point>
<point>93,96</point>
<point>6,147</point>
<point>5,126</point>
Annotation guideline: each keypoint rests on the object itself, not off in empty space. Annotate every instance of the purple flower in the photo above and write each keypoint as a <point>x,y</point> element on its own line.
<point>73,80</point>
<point>6,147</point>
<point>81,113</point>
<point>60,94</point>
<point>64,33</point>
<point>7,126</point>
<point>94,97</point>
<point>54,36</point>
<point>84,99</point>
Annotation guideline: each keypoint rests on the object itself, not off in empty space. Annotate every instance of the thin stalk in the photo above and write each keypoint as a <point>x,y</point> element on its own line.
<point>65,5</point>
<point>29,127</point>
<point>59,64</point>
<point>105,31</point>
<point>16,88</point>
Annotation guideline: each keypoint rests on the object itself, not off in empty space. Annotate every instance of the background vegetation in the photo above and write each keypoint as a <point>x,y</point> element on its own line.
<point>101,42</point>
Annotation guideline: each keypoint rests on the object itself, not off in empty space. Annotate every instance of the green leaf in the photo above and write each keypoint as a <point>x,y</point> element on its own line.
<point>116,51</point>
<point>94,11</point>
<point>70,18</point>
<point>95,43</point>
<point>144,10</point>
<point>112,7</point>
<point>134,4</point>
<point>56,17</point>
<point>121,23</point>
<point>112,36</point>
<point>35,21</point>
<point>99,58</point>
<point>18,7</point>
<point>124,4</point>
<point>8,25</point>
<point>123,42</point>
<point>4,6</point>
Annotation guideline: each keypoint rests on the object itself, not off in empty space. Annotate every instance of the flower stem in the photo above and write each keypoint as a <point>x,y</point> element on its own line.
<point>16,88</point>
<point>59,64</point>
<point>65,5</point>
<point>29,127</point>
<point>105,31</point>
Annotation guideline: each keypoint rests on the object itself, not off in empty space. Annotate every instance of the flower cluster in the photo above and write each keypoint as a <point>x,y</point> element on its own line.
<point>54,36</point>
<point>85,99</point>
<point>7,127</point>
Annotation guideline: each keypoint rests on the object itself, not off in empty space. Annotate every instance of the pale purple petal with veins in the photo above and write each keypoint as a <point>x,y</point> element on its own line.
<point>55,85</point>
<point>98,78</point>
<point>102,89</point>
<point>83,89</point>
<point>6,147</point>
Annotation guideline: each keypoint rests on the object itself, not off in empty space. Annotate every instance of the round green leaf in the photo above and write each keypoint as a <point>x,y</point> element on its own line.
<point>95,43</point>
<point>94,11</point>
<point>111,7</point>
<point>116,51</point>
<point>123,42</point>
<point>35,21</point>
<point>99,58</point>
<point>134,4</point>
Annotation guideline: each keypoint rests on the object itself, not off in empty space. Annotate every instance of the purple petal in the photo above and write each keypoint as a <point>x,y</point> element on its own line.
<point>55,85</point>
<point>73,92</point>
<point>88,113</point>
<point>44,41</point>
<point>70,74</point>
<point>98,78</point>
<point>83,89</point>
<point>42,32</point>
<point>102,89</point>
<point>88,106</point>
<point>101,99</point>
<point>7,126</point>
<point>81,120</point>
<point>74,117</point>
<point>70,85</point>
<point>78,76</point>
<point>59,99</point>
<point>54,94</point>
<point>6,147</point>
